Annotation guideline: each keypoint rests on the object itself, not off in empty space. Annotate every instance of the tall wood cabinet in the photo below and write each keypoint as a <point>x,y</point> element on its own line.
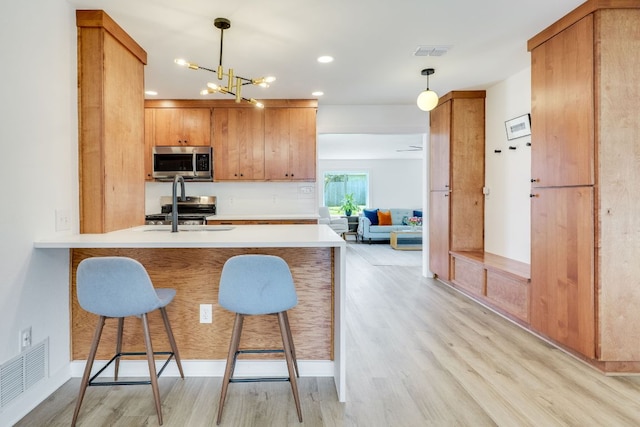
<point>238,144</point>
<point>111,124</point>
<point>585,274</point>
<point>456,201</point>
<point>149,143</point>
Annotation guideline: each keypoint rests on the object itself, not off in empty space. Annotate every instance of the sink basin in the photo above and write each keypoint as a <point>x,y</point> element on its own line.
<point>181,228</point>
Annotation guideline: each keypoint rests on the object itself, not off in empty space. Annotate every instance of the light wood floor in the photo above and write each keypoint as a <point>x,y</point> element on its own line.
<point>419,354</point>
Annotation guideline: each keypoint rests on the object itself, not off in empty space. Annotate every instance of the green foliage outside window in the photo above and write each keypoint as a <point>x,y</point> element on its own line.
<point>338,185</point>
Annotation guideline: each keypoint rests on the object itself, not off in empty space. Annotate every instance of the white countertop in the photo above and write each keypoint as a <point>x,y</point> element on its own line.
<point>257,217</point>
<point>203,236</point>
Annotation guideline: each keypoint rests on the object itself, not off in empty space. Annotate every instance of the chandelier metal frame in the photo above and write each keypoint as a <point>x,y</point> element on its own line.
<point>234,83</point>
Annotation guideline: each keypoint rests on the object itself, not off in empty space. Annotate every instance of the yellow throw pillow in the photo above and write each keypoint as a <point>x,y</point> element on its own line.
<point>384,218</point>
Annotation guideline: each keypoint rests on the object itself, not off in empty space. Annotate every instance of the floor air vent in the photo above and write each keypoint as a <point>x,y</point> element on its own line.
<point>23,371</point>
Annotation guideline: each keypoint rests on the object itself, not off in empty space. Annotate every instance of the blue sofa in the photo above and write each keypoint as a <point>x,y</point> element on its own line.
<point>368,231</point>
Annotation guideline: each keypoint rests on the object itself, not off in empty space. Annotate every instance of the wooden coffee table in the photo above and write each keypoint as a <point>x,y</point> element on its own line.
<point>406,240</point>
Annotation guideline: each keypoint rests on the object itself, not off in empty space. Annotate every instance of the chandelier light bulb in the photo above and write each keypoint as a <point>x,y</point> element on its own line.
<point>256,103</point>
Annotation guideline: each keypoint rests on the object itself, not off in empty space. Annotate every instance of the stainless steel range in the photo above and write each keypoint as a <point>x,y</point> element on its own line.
<point>193,211</point>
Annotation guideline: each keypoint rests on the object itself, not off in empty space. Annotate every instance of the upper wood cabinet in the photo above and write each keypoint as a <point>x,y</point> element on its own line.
<point>562,102</point>
<point>440,135</point>
<point>277,143</point>
<point>290,144</point>
<point>456,209</point>
<point>584,216</point>
<point>238,144</point>
<point>182,126</point>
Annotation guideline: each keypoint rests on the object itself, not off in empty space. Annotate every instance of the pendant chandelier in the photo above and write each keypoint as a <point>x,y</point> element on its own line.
<point>428,99</point>
<point>234,83</point>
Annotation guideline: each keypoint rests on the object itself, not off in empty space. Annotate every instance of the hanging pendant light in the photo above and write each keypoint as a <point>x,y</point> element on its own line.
<point>428,99</point>
<point>234,83</point>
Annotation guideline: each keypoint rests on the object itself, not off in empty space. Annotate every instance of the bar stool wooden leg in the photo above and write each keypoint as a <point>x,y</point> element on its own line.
<point>286,333</point>
<point>118,347</point>
<point>87,369</point>
<point>172,341</point>
<point>231,356</point>
<point>293,348</point>
<point>152,367</point>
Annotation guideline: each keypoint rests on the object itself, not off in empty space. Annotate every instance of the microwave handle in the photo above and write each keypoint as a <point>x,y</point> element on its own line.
<point>193,164</point>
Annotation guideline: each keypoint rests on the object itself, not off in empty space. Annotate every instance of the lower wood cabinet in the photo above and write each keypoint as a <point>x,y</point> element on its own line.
<point>469,275</point>
<point>562,252</point>
<point>497,281</point>
<point>509,293</point>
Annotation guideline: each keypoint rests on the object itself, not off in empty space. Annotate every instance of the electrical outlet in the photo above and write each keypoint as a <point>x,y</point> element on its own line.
<point>206,313</point>
<point>25,339</point>
<point>63,220</point>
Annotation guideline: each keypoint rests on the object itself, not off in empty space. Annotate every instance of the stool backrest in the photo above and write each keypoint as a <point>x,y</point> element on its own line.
<point>256,284</point>
<point>115,287</point>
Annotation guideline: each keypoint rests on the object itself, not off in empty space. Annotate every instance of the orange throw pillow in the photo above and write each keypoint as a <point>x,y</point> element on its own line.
<point>384,218</point>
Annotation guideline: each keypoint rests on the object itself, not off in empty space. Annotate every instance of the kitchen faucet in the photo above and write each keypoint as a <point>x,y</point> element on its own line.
<point>174,201</point>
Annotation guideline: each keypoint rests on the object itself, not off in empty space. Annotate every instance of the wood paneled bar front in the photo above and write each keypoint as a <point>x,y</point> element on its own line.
<point>191,261</point>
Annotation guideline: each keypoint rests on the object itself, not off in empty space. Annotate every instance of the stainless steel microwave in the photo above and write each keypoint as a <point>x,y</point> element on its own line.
<point>192,163</point>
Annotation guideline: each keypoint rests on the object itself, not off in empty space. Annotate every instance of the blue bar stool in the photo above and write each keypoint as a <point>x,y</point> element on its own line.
<point>118,287</point>
<point>253,285</point>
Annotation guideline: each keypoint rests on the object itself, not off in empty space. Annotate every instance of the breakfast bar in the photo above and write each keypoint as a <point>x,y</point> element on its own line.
<point>191,261</point>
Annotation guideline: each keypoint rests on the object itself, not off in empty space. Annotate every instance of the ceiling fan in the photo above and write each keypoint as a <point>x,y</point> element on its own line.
<point>411,148</point>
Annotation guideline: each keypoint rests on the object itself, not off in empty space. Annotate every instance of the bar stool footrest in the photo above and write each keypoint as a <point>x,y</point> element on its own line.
<point>92,381</point>
<point>256,379</point>
<point>259,379</point>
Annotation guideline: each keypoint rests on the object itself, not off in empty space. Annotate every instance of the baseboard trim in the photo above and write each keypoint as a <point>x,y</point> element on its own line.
<point>212,368</point>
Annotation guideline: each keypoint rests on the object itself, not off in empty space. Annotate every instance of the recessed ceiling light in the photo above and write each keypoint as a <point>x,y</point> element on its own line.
<point>150,92</point>
<point>317,93</point>
<point>325,59</point>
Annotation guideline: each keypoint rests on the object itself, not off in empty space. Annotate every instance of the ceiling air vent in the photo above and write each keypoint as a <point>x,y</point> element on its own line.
<point>431,50</point>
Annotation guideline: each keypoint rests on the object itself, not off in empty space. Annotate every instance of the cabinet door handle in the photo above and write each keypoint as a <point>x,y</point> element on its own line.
<point>534,195</point>
<point>535,179</point>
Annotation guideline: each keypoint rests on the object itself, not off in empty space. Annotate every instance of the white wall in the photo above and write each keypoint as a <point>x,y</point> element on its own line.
<point>392,183</point>
<point>371,119</point>
<point>39,175</point>
<point>507,175</point>
<point>246,198</point>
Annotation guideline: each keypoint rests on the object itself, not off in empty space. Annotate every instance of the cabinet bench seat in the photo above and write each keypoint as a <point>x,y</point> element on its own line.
<point>501,282</point>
